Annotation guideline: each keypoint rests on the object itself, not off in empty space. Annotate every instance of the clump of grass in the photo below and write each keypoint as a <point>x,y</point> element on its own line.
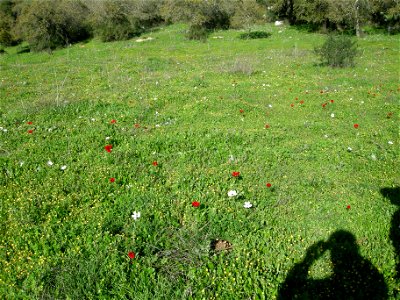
<point>338,51</point>
<point>254,35</point>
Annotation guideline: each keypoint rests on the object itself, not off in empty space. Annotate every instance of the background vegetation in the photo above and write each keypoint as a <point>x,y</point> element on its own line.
<point>51,24</point>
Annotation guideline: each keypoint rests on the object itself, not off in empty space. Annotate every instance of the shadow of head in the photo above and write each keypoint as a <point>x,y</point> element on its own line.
<point>343,246</point>
<point>393,194</point>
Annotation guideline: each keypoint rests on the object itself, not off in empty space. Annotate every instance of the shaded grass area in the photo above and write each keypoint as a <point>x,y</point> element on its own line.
<point>200,110</point>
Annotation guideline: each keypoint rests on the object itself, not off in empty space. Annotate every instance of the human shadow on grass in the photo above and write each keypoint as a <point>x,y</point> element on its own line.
<point>354,277</point>
<point>393,194</point>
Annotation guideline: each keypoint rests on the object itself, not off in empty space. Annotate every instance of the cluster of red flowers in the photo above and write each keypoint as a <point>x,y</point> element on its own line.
<point>108,148</point>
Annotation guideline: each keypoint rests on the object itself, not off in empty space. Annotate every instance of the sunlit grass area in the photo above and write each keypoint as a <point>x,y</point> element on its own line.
<point>96,133</point>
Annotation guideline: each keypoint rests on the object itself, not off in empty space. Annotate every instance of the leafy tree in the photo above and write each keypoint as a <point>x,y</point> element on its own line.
<point>7,22</point>
<point>203,16</point>
<point>247,13</point>
<point>52,24</point>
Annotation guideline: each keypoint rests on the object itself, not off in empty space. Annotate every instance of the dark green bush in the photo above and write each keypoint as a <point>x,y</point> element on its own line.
<point>255,35</point>
<point>338,51</point>
<point>7,21</point>
<point>197,32</point>
<point>6,38</point>
<point>115,20</point>
<point>52,24</point>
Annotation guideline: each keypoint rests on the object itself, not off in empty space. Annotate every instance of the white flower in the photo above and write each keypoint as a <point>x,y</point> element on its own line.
<point>136,215</point>
<point>373,157</point>
<point>21,163</point>
<point>349,149</point>
<point>63,167</point>
<point>5,130</point>
<point>93,119</point>
<point>107,138</point>
<point>332,115</point>
<point>49,163</point>
<point>247,204</point>
<point>232,193</point>
<point>326,136</point>
<point>270,105</point>
<point>390,143</point>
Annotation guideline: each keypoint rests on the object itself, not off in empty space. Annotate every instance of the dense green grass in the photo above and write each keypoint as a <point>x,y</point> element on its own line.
<point>67,233</point>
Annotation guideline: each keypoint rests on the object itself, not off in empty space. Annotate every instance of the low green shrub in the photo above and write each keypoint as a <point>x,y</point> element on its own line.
<point>338,51</point>
<point>197,32</point>
<point>255,35</point>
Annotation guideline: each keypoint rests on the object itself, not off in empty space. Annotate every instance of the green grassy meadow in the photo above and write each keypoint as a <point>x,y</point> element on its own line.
<point>201,111</point>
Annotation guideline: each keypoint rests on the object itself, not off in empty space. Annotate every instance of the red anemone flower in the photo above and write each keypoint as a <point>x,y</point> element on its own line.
<point>291,105</point>
<point>332,101</point>
<point>267,126</point>
<point>131,254</point>
<point>112,179</point>
<point>113,121</point>
<point>155,163</point>
<point>241,111</point>
<point>30,131</point>
<point>235,174</point>
<point>355,126</point>
<point>108,148</point>
<point>268,185</point>
<point>195,204</point>
<point>302,102</point>
<point>137,125</point>
<point>29,123</point>
<point>348,207</point>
